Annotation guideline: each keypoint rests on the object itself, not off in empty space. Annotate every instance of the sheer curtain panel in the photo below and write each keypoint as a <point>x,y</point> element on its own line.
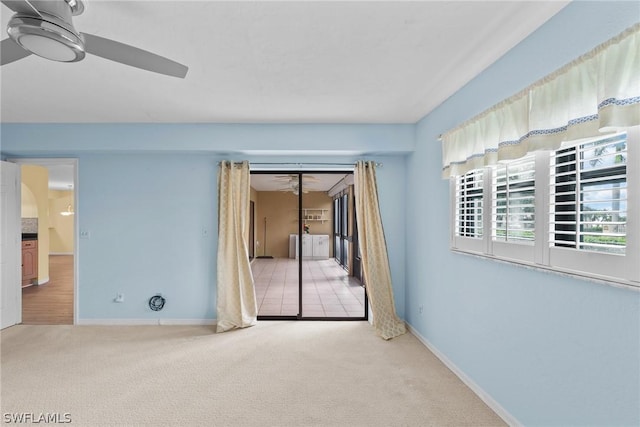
<point>373,248</point>
<point>236,299</point>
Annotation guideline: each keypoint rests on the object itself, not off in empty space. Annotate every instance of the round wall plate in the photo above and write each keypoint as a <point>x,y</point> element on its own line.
<point>156,302</point>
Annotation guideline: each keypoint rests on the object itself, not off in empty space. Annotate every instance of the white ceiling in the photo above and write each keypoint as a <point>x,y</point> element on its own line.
<point>262,62</point>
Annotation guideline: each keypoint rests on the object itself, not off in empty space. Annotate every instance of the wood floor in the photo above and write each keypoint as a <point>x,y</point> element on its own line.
<point>51,303</point>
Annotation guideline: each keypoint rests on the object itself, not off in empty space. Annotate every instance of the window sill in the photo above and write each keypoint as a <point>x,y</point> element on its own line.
<point>621,284</point>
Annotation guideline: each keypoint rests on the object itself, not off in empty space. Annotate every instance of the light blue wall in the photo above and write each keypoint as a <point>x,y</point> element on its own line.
<point>147,193</point>
<point>147,215</point>
<point>551,350</point>
<point>37,139</point>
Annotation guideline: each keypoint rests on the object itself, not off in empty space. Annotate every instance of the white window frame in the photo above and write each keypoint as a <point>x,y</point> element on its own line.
<point>465,243</point>
<point>604,265</point>
<point>516,251</point>
<point>609,268</point>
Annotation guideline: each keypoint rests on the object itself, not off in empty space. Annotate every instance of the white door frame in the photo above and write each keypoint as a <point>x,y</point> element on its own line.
<point>45,161</point>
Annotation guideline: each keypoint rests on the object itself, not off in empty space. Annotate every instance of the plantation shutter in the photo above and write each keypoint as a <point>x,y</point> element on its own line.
<point>469,208</point>
<point>513,218</point>
<point>589,196</point>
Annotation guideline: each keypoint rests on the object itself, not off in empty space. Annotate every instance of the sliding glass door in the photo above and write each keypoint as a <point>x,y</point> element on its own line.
<point>295,271</point>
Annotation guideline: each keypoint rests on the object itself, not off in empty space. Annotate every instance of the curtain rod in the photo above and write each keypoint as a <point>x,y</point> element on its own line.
<point>309,163</point>
<point>377,164</point>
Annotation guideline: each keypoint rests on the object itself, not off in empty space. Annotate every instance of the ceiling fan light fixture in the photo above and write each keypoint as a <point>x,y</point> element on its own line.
<point>47,39</point>
<point>68,212</point>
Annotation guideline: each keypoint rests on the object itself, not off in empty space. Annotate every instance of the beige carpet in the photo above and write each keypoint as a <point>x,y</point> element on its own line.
<point>273,374</point>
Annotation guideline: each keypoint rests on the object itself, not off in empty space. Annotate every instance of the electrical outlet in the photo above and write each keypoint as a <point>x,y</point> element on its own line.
<point>421,308</point>
<point>85,234</point>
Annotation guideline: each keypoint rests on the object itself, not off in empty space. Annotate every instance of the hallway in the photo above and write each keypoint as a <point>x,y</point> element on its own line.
<point>52,302</point>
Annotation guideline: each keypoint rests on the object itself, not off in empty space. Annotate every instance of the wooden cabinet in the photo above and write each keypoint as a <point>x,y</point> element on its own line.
<point>29,262</point>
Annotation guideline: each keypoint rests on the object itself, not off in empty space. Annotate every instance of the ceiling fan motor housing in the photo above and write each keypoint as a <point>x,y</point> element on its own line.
<point>45,28</point>
<point>50,35</point>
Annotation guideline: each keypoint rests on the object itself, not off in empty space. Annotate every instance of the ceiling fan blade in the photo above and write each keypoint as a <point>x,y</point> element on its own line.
<point>11,51</point>
<point>21,6</point>
<point>309,178</point>
<point>129,55</point>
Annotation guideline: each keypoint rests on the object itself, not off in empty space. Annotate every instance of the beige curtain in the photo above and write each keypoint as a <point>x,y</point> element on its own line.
<point>375,261</point>
<point>596,93</point>
<point>236,301</point>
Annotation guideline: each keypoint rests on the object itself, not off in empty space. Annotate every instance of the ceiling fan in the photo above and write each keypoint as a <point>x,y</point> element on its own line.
<point>294,188</point>
<point>294,177</point>
<point>291,183</point>
<point>45,28</point>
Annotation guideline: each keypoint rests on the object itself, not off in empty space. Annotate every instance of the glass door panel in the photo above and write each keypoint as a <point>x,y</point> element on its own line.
<point>328,291</point>
<point>275,269</point>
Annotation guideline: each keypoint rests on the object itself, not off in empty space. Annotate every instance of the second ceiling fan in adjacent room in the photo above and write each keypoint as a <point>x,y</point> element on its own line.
<point>291,183</point>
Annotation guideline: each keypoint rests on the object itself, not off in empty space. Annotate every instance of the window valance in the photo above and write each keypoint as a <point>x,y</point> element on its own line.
<point>596,93</point>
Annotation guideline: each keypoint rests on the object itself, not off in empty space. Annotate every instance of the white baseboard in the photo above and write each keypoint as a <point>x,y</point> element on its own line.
<point>43,280</point>
<point>60,253</point>
<point>483,395</point>
<point>139,322</point>
<point>197,322</point>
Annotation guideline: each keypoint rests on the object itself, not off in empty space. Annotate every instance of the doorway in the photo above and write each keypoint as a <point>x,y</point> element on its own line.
<point>48,226</point>
<point>295,273</point>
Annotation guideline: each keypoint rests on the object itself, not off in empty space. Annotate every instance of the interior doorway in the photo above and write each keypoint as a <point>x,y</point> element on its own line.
<point>295,273</point>
<point>49,239</point>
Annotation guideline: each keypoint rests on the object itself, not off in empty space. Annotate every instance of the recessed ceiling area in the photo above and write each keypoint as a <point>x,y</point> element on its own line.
<point>288,181</point>
<point>271,62</point>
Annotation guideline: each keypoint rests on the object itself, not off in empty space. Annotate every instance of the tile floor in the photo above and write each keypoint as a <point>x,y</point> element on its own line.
<point>327,290</point>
